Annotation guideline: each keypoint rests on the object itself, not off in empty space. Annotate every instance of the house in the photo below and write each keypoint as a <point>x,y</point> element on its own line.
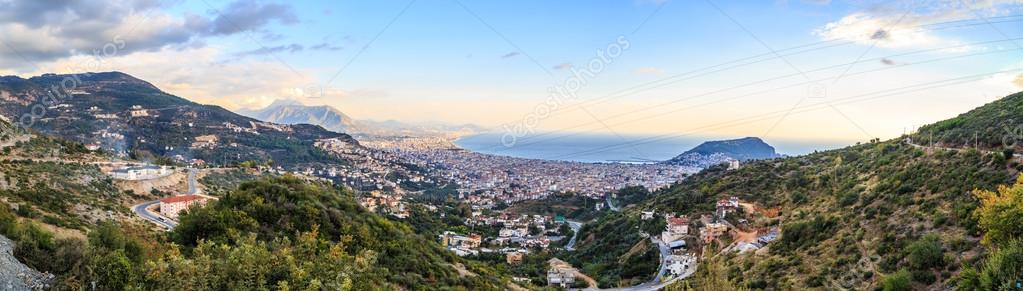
<point>726,206</point>
<point>205,141</point>
<point>676,228</point>
<point>461,245</point>
<point>733,165</point>
<point>138,111</point>
<point>171,207</point>
<point>559,219</point>
<point>513,258</point>
<point>712,231</point>
<point>560,277</point>
<point>647,215</point>
<point>140,172</point>
<point>678,264</point>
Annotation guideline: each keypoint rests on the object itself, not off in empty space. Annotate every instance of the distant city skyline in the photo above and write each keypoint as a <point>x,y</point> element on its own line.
<point>812,70</point>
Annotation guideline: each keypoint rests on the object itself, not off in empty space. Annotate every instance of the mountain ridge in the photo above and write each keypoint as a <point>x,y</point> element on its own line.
<point>293,112</point>
<point>119,113</point>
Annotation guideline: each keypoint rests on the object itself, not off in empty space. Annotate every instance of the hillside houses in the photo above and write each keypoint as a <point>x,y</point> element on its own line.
<point>205,142</point>
<point>138,111</point>
<point>676,228</point>
<point>140,172</point>
<point>712,231</point>
<point>726,206</point>
<point>461,245</point>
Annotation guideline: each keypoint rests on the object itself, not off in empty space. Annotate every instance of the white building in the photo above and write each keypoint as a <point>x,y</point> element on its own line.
<point>678,264</point>
<point>560,277</point>
<point>140,172</point>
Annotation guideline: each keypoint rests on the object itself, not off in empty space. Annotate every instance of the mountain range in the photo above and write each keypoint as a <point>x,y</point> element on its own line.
<point>121,114</point>
<point>330,118</point>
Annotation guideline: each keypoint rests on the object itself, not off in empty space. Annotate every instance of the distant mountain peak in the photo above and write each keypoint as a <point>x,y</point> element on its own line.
<point>286,111</point>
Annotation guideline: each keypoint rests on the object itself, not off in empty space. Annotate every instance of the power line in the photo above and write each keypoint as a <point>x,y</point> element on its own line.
<point>847,100</point>
<point>741,62</point>
<point>661,105</point>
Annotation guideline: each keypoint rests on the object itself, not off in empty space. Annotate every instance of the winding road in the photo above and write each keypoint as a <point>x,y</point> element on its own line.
<point>142,210</point>
<point>610,204</point>
<point>575,226</point>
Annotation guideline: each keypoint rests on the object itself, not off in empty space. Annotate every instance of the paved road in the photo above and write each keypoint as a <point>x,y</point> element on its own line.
<point>610,204</point>
<point>193,188</point>
<point>657,283</point>
<point>142,211</point>
<point>575,226</point>
<point>910,142</point>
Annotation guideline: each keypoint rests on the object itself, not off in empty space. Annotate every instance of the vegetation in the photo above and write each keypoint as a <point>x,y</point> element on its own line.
<point>277,234</point>
<point>992,126</point>
<point>1003,266</point>
<point>571,205</point>
<point>612,251</point>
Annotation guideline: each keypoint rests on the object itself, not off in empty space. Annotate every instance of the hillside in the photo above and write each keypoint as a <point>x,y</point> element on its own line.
<point>856,217</point>
<point>130,117</point>
<point>997,125</point>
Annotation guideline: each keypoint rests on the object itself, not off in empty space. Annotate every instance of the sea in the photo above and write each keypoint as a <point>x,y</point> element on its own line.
<point>611,148</point>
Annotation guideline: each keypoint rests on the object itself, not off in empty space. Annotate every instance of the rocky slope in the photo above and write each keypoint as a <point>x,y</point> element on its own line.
<point>14,275</point>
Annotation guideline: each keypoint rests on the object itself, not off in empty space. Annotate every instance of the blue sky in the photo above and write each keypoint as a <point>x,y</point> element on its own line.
<point>494,63</point>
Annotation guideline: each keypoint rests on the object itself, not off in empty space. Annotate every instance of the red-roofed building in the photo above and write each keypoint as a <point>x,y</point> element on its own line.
<point>172,206</point>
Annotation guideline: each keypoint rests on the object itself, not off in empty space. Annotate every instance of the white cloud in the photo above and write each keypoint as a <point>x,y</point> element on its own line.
<point>1018,81</point>
<point>892,31</point>
<point>39,31</point>
<point>898,24</point>
<point>198,74</point>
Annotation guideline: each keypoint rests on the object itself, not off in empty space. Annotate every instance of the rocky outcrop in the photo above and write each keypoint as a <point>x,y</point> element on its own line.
<point>17,276</point>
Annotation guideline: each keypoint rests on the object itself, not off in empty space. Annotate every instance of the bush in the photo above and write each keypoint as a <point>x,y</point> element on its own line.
<point>926,253</point>
<point>899,281</point>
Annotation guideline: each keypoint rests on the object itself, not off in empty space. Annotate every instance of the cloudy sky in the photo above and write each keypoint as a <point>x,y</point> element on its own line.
<point>820,70</point>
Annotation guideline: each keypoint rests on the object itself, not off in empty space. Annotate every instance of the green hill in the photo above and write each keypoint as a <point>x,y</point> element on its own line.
<point>996,125</point>
<point>852,217</point>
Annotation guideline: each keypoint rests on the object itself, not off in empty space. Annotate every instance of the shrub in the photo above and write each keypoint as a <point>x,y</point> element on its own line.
<point>899,281</point>
<point>926,253</point>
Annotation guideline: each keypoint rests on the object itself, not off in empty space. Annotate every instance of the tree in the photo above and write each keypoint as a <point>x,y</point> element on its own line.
<point>1000,214</point>
<point>1002,270</point>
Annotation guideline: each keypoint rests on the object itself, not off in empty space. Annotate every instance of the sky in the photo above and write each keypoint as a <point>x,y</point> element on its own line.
<point>811,70</point>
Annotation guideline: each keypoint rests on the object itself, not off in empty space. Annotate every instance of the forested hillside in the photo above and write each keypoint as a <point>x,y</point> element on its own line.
<point>875,215</point>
